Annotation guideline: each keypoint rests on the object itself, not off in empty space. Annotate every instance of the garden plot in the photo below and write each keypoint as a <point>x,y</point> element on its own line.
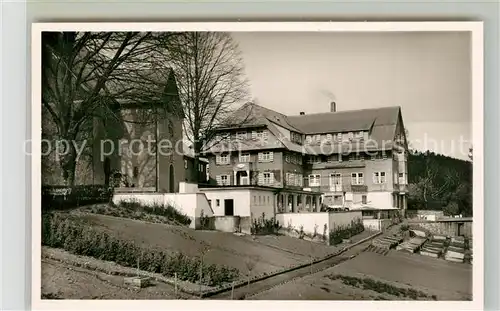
<point>434,248</point>
<point>412,245</point>
<point>387,242</point>
<point>456,250</point>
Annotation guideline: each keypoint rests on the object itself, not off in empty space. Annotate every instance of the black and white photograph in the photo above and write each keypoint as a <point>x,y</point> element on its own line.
<point>257,161</point>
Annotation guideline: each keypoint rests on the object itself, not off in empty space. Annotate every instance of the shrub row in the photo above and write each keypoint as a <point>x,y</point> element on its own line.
<point>380,287</point>
<point>79,238</point>
<point>262,225</point>
<point>63,197</point>
<point>168,211</point>
<point>345,232</point>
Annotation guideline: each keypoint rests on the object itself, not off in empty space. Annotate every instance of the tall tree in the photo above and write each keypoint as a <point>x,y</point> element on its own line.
<point>210,77</point>
<point>77,68</point>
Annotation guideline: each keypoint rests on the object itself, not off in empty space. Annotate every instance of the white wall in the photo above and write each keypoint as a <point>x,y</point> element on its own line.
<point>190,204</point>
<point>264,205</point>
<point>185,187</point>
<point>376,224</point>
<point>308,220</point>
<point>379,199</point>
<point>241,201</point>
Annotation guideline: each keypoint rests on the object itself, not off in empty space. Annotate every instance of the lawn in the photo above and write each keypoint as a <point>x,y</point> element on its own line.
<point>268,253</point>
<point>434,277</point>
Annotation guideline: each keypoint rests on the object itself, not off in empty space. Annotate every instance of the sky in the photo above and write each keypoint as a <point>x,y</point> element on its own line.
<point>427,74</point>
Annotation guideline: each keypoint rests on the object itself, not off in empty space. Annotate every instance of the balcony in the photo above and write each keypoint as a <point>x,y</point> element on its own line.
<point>401,188</point>
<point>337,164</point>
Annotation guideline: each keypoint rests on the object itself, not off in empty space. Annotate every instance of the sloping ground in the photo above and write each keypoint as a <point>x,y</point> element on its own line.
<point>269,254</point>
<point>63,281</point>
<point>444,279</point>
<point>436,278</point>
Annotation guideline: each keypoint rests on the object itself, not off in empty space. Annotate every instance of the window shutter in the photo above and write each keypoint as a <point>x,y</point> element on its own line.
<point>261,156</point>
<point>219,180</point>
<point>271,178</point>
<point>261,179</point>
<point>271,156</point>
<point>375,181</point>
<point>228,159</point>
<point>254,134</point>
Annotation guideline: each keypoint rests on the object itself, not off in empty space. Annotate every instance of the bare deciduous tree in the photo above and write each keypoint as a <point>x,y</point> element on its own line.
<point>76,67</point>
<point>84,73</point>
<point>209,71</point>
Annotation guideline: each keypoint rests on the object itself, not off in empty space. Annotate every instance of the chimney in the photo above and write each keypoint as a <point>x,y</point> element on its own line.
<point>333,107</point>
<point>302,113</point>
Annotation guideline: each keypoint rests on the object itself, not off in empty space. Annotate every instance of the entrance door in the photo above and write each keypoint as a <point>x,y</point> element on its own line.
<point>229,207</point>
<point>242,178</point>
<point>460,229</point>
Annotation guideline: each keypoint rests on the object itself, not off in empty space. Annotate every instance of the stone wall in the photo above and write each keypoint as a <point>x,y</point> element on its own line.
<point>448,228</point>
<point>227,223</point>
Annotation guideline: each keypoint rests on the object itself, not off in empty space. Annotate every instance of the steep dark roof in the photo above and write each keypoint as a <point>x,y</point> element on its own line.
<point>252,114</point>
<point>345,121</point>
<point>380,122</point>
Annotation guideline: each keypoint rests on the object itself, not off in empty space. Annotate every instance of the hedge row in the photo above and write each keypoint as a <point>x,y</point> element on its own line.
<point>79,238</point>
<point>63,197</point>
<point>346,232</point>
<point>167,211</point>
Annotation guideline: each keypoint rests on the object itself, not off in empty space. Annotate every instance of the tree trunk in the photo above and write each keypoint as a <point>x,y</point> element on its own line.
<point>67,162</point>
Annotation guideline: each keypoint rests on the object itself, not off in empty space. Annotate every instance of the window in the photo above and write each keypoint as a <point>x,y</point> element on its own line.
<point>329,137</point>
<point>345,136</point>
<point>254,134</point>
<point>244,157</point>
<point>357,179</point>
<point>222,159</point>
<point>335,179</point>
<point>401,175</point>
<point>266,156</point>
<point>317,138</point>
<point>210,203</point>
<point>287,158</point>
<point>262,135</point>
<point>223,180</point>
<point>241,135</point>
<point>314,180</point>
<point>185,164</point>
<point>217,202</point>
<point>379,178</point>
<point>268,200</point>
<point>200,167</point>
<point>363,199</point>
<point>260,200</point>
<point>254,199</point>
<point>308,139</point>
<point>266,178</point>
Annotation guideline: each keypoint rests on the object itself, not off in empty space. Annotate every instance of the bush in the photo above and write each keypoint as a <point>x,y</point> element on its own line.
<point>265,226</point>
<point>380,287</point>
<point>62,197</point>
<point>79,238</point>
<point>168,211</point>
<point>345,232</point>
